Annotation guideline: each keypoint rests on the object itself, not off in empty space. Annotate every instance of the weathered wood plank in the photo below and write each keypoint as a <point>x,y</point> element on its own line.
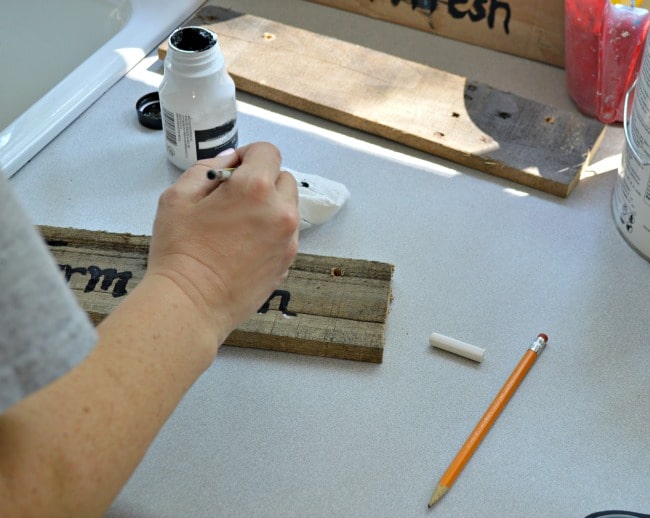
<point>530,29</point>
<point>328,306</point>
<point>331,337</point>
<point>349,267</point>
<point>431,110</point>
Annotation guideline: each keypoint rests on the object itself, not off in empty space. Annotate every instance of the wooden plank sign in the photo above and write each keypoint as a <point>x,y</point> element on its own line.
<point>327,306</point>
<point>431,110</point>
<point>533,30</point>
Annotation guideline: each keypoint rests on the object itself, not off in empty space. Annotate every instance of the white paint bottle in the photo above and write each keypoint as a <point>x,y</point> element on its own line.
<point>197,98</point>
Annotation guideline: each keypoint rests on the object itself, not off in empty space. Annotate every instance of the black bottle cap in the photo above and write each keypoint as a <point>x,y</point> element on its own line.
<point>148,107</point>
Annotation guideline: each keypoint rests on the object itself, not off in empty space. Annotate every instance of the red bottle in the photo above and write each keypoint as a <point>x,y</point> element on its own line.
<point>603,47</point>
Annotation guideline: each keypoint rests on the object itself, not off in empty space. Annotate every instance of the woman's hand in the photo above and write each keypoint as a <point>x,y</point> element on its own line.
<point>227,245</point>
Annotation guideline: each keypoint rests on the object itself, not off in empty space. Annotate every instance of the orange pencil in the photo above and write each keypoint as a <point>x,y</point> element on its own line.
<point>491,414</point>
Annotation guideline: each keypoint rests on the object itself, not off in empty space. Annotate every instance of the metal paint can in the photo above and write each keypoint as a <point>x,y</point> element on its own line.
<point>631,198</point>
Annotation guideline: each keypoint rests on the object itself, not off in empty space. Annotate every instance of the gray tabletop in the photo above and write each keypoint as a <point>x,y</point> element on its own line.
<point>477,258</point>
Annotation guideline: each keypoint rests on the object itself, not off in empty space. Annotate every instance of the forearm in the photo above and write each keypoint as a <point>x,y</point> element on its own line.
<point>69,448</point>
<point>218,250</point>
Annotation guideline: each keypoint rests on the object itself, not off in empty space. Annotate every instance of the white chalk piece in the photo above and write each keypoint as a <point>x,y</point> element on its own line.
<point>457,347</point>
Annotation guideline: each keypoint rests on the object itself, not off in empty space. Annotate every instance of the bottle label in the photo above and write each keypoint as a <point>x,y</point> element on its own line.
<point>187,144</point>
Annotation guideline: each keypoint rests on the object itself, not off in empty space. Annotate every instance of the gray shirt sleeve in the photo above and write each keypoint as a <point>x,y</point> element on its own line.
<point>43,330</point>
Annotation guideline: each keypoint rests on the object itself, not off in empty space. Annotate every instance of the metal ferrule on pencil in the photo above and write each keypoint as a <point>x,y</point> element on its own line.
<point>539,344</point>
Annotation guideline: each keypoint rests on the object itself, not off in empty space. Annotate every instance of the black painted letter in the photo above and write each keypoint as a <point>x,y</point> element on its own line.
<point>494,5</point>
<point>109,274</point>
<point>285,297</point>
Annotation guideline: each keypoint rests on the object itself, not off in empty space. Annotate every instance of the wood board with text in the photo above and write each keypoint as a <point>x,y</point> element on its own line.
<point>446,115</point>
<point>530,29</point>
<point>328,306</point>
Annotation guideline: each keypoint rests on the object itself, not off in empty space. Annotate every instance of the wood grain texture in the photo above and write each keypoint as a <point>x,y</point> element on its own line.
<point>446,115</point>
<point>337,306</point>
<point>530,29</point>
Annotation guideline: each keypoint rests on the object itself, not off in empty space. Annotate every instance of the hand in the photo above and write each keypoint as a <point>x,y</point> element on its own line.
<point>218,251</point>
<point>228,245</point>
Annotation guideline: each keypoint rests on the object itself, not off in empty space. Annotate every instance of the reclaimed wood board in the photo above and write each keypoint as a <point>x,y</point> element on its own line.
<point>328,306</point>
<point>449,116</point>
<point>530,29</point>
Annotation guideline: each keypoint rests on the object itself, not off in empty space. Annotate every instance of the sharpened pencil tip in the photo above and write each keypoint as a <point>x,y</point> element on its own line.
<point>437,495</point>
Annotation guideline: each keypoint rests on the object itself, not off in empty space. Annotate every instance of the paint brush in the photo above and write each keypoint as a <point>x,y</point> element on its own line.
<point>220,175</point>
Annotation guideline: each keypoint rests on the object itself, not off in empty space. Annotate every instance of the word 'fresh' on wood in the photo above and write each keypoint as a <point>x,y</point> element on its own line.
<point>533,30</point>
<point>328,306</point>
<point>443,114</point>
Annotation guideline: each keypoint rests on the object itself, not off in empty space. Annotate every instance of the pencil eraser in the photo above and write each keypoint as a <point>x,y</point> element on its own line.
<point>457,347</point>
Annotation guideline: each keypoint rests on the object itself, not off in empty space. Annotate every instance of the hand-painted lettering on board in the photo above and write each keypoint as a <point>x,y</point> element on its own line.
<point>106,275</point>
<point>475,10</point>
<point>111,278</point>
